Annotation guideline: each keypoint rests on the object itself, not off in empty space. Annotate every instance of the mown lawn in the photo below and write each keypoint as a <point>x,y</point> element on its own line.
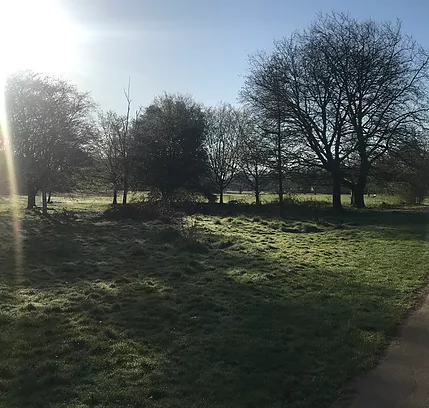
<point>220,312</point>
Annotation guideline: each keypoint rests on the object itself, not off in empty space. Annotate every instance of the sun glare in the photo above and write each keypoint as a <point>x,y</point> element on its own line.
<point>12,182</point>
<point>37,35</point>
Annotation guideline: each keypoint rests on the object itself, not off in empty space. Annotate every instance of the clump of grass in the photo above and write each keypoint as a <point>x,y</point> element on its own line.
<point>225,243</point>
<point>292,230</point>
<point>310,228</point>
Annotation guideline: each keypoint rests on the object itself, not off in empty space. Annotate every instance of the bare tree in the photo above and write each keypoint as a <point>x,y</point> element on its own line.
<point>109,151</point>
<point>384,76</point>
<point>50,130</point>
<point>125,143</point>
<point>254,156</point>
<point>300,86</point>
<point>222,145</point>
<point>261,95</point>
<point>348,90</point>
<point>114,148</point>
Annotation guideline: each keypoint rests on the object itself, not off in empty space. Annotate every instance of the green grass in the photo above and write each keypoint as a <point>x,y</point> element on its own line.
<point>222,312</point>
<point>370,202</point>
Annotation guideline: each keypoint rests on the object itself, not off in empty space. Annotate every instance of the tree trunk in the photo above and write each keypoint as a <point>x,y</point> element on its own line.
<point>50,197</point>
<point>336,194</point>
<point>124,197</point>
<point>358,193</point>
<point>31,198</point>
<point>280,188</point>
<point>280,168</point>
<point>279,155</point>
<point>257,197</point>
<point>44,203</point>
<point>115,197</point>
<point>257,193</point>
<point>221,195</point>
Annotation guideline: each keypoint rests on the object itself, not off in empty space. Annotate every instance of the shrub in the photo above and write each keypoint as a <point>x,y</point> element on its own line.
<point>145,211</point>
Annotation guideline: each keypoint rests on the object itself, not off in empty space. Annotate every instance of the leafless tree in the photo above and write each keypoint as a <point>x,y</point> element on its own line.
<point>384,77</point>
<point>125,143</point>
<point>348,91</point>
<point>254,157</point>
<point>222,145</point>
<point>109,151</point>
<point>114,148</point>
<point>261,96</point>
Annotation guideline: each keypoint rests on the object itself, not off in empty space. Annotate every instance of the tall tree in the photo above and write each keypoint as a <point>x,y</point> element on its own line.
<point>254,156</point>
<point>222,145</point>
<point>262,98</point>
<point>125,144</point>
<point>384,76</point>
<point>169,145</point>
<point>349,91</point>
<point>115,142</point>
<point>50,127</point>
<point>109,151</point>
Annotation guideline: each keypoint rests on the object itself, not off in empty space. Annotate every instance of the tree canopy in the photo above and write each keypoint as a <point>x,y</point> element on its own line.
<point>50,129</point>
<point>169,145</point>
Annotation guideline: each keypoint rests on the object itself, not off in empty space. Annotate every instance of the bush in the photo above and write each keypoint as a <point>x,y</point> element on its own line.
<point>145,211</point>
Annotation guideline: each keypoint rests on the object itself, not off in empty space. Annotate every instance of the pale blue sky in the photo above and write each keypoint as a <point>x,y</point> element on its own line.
<point>199,47</point>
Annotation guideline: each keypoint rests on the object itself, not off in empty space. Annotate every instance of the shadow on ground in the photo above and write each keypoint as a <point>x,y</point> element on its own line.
<point>130,314</point>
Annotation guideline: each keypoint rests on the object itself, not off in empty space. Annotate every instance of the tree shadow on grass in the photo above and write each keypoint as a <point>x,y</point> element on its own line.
<point>193,329</point>
<point>127,314</point>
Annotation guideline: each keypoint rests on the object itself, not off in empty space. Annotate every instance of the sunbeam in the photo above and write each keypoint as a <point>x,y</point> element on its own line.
<point>12,181</point>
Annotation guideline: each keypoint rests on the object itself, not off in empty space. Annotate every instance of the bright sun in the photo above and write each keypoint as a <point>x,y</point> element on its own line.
<point>37,35</point>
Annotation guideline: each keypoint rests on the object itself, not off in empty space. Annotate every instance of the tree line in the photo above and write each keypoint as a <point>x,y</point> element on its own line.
<point>343,99</point>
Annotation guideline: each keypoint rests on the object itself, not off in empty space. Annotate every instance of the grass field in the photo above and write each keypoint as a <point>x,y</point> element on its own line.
<point>371,202</point>
<point>246,197</point>
<point>236,311</point>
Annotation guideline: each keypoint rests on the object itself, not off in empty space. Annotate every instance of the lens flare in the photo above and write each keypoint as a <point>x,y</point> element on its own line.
<point>38,35</point>
<point>12,181</point>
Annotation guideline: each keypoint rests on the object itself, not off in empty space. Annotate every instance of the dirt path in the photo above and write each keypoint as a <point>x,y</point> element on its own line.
<point>401,380</point>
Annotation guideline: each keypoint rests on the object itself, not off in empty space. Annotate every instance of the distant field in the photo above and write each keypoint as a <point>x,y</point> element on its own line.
<point>82,201</point>
<point>216,312</point>
<point>345,198</point>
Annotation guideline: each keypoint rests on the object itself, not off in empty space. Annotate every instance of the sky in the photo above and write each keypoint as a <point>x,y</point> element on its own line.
<point>198,47</point>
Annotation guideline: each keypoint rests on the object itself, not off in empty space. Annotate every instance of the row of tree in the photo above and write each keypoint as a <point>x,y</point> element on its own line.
<point>344,98</point>
<point>345,94</point>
